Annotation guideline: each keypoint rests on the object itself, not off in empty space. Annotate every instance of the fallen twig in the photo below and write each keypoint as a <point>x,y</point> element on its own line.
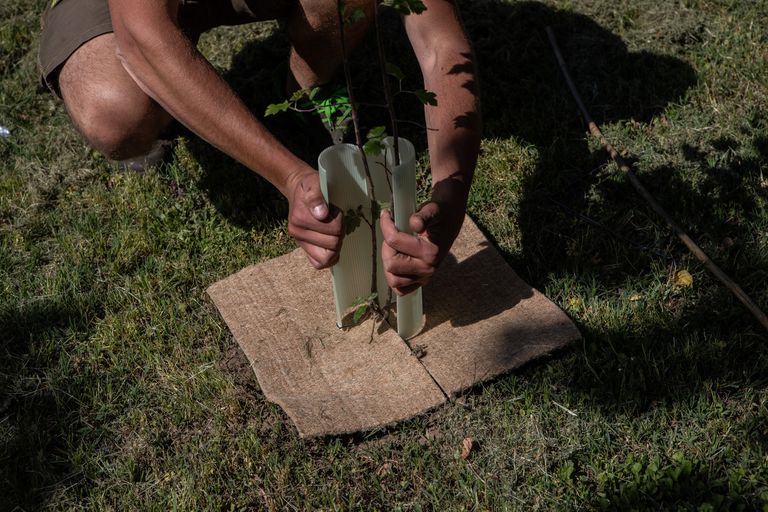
<point>681,234</point>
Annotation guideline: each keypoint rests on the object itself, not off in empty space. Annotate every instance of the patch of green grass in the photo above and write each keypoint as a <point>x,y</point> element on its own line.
<point>121,388</point>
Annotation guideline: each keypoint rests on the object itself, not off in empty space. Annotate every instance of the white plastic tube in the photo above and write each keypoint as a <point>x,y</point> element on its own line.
<point>343,183</point>
<point>410,314</point>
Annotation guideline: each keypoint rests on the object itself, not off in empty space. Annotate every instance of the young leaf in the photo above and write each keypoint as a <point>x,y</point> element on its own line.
<point>373,147</point>
<point>353,17</point>
<point>407,6</point>
<point>297,95</point>
<point>276,108</point>
<point>359,312</point>
<point>395,71</point>
<point>375,137</point>
<point>351,220</point>
<point>361,306</point>
<point>377,132</point>
<point>364,300</point>
<point>426,97</point>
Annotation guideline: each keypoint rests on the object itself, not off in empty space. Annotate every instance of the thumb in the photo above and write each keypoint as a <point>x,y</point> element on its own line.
<point>428,214</point>
<point>313,199</point>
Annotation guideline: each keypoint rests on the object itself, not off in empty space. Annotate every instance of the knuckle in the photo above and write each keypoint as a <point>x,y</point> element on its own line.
<point>326,258</point>
<point>430,256</point>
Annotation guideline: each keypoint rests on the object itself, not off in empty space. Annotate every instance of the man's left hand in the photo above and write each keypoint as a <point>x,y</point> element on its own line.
<point>410,261</point>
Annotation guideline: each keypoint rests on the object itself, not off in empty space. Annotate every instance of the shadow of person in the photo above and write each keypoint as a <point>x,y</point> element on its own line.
<point>463,294</point>
<point>44,419</point>
<point>524,99</point>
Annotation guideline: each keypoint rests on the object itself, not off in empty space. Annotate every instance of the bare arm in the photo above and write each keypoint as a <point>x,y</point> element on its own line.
<point>448,66</point>
<point>168,67</point>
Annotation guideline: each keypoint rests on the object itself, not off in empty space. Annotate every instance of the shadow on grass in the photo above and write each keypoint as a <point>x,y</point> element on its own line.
<point>706,337</point>
<point>42,412</point>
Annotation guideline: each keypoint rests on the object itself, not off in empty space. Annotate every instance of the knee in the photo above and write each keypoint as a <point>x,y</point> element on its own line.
<point>315,23</point>
<point>118,127</point>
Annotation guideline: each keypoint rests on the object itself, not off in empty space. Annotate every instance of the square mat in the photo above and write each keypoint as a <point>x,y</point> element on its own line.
<point>482,320</point>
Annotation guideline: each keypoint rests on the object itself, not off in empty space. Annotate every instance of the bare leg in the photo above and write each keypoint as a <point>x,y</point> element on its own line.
<point>106,106</point>
<point>313,28</point>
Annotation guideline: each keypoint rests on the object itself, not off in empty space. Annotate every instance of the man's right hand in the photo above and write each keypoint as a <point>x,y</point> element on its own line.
<point>316,226</point>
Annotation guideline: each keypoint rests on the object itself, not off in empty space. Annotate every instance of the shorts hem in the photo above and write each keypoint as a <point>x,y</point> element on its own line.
<point>52,63</point>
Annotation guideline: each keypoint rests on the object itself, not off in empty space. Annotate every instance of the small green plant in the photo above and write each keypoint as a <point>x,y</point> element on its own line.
<point>362,305</point>
<point>335,109</point>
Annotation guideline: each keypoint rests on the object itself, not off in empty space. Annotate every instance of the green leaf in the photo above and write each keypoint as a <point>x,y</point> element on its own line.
<point>377,132</point>
<point>276,108</point>
<point>359,312</point>
<point>362,305</point>
<point>313,93</point>
<point>426,97</point>
<point>373,147</point>
<point>352,220</point>
<point>395,71</point>
<point>407,6</point>
<point>297,95</point>
<point>353,17</point>
<point>364,300</point>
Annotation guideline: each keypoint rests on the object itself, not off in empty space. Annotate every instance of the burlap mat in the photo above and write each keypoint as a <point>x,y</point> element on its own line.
<point>482,321</point>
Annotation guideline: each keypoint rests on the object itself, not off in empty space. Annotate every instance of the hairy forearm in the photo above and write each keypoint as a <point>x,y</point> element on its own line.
<point>167,66</point>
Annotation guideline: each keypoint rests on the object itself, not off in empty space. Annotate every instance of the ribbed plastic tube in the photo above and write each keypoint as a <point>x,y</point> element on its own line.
<point>410,314</point>
<point>343,183</point>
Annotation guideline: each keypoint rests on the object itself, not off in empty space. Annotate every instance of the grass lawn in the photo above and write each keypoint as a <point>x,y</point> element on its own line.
<point>122,389</point>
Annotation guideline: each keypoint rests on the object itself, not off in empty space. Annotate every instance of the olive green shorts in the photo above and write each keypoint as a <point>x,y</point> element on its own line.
<point>68,24</point>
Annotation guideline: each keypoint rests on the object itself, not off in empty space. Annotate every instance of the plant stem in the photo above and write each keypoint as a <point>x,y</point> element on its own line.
<point>390,105</point>
<point>359,144</point>
<point>385,78</point>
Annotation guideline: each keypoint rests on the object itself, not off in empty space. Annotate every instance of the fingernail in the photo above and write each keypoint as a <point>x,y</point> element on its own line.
<point>319,211</point>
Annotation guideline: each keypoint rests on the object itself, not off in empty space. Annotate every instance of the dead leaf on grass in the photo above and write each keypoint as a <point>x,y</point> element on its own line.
<point>466,447</point>
<point>385,469</point>
<point>684,279</point>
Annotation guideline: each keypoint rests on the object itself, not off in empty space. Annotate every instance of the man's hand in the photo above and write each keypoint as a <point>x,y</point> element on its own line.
<point>410,261</point>
<point>316,227</point>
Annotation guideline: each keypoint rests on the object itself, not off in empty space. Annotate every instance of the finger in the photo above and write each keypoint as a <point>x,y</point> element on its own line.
<point>330,242</point>
<point>427,215</point>
<point>394,281</point>
<point>332,225</point>
<point>403,265</point>
<point>313,261</point>
<point>320,257</point>
<point>415,246</point>
<point>313,198</point>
